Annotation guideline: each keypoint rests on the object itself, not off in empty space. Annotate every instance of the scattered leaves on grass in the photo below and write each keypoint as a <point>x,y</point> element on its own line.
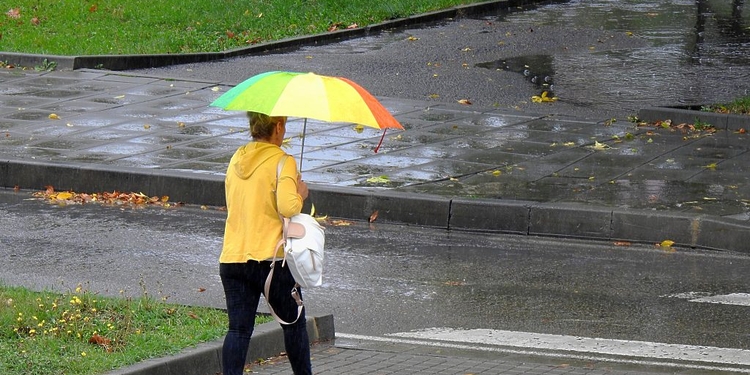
<point>102,341</point>
<point>14,13</point>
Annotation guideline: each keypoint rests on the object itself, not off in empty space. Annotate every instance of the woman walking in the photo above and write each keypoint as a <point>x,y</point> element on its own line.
<point>255,199</point>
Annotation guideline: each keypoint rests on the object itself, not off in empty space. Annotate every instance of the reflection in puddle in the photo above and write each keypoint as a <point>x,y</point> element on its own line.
<point>536,69</point>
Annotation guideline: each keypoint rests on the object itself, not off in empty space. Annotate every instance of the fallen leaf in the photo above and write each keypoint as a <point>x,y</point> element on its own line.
<point>359,128</point>
<point>711,166</point>
<point>412,38</point>
<point>622,243</point>
<point>147,126</point>
<point>201,290</point>
<point>16,188</point>
<point>464,101</point>
<point>35,21</point>
<point>600,146</point>
<point>496,173</point>
<point>93,8</point>
<point>543,98</point>
<point>378,180</point>
<point>666,243</point>
<point>341,223</point>
<point>373,216</point>
<point>215,88</point>
<point>14,13</point>
<point>192,315</point>
<point>54,116</point>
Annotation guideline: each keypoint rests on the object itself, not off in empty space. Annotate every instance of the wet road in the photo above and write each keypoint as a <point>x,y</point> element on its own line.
<point>603,59</point>
<point>385,279</point>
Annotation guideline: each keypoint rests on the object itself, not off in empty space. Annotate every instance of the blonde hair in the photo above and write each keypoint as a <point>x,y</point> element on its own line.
<point>262,125</point>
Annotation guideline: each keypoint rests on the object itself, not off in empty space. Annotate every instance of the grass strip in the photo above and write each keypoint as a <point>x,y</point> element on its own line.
<point>80,332</point>
<point>71,27</point>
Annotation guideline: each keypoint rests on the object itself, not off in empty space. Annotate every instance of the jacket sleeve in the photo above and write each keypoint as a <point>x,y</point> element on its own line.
<point>289,202</point>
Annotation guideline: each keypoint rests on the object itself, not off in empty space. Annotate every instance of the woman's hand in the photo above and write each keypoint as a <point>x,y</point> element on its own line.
<point>301,187</point>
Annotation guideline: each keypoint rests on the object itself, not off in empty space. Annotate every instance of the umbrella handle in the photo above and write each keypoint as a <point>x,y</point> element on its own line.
<point>302,151</point>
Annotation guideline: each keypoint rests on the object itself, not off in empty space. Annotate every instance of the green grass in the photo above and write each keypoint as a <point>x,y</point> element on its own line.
<point>79,332</point>
<point>74,27</point>
<point>739,106</point>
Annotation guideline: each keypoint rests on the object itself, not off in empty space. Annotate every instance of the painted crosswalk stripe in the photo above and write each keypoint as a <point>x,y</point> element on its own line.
<point>574,347</point>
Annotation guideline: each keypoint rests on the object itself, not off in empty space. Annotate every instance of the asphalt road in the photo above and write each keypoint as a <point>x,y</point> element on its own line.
<point>388,279</point>
<point>444,62</point>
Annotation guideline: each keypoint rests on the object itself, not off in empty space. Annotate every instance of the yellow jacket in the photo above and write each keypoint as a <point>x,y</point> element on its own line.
<point>253,226</point>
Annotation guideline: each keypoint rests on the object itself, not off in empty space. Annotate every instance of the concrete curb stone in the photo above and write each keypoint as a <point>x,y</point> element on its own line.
<point>205,359</point>
<point>678,115</point>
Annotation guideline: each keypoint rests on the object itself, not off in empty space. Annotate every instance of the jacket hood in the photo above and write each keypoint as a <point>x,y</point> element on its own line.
<point>249,157</point>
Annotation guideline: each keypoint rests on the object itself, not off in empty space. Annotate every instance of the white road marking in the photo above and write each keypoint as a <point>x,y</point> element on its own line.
<point>574,347</point>
<point>740,299</point>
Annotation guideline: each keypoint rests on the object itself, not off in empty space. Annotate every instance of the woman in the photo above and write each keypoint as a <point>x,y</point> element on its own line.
<point>252,230</point>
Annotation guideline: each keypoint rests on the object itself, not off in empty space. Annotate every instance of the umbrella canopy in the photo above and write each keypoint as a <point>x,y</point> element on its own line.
<point>308,95</point>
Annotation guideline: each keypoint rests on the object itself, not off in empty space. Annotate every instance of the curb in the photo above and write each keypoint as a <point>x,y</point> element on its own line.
<point>678,115</point>
<point>126,62</point>
<point>556,219</point>
<point>203,359</point>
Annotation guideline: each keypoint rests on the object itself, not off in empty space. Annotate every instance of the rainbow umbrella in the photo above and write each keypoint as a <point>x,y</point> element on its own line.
<point>308,95</point>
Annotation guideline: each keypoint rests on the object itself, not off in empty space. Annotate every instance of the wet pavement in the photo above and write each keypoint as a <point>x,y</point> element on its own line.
<point>91,131</point>
<point>518,168</point>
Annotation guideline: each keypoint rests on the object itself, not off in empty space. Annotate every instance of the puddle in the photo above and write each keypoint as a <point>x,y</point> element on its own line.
<point>695,52</point>
<point>536,69</point>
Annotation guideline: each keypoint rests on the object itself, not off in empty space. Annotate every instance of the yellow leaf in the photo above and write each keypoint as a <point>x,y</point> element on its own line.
<point>286,143</point>
<point>600,146</point>
<point>147,126</point>
<point>496,173</point>
<point>433,96</point>
<point>359,128</point>
<point>120,97</point>
<point>312,210</point>
<point>215,88</point>
<point>412,38</point>
<point>467,49</point>
<point>378,180</point>
<point>65,195</point>
<point>569,144</point>
<point>341,223</point>
<point>711,166</point>
<point>54,116</point>
<point>666,243</point>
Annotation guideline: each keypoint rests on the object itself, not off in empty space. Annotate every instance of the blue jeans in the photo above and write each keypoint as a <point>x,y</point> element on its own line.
<point>243,285</point>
